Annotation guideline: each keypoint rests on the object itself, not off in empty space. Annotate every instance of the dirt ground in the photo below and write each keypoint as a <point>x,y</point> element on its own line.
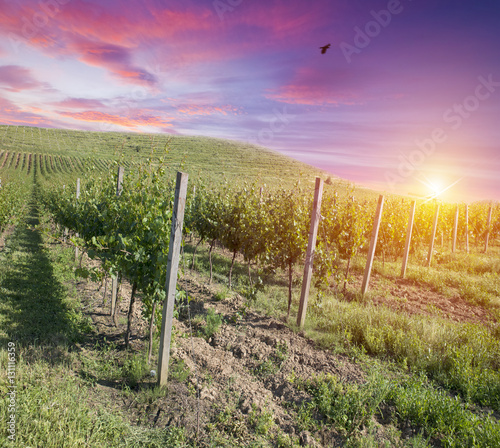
<point>405,297</point>
<point>227,371</point>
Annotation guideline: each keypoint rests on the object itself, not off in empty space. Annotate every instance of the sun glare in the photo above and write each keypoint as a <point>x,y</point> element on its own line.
<point>436,187</point>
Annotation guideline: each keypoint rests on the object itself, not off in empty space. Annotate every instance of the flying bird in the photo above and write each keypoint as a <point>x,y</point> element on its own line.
<point>323,49</point>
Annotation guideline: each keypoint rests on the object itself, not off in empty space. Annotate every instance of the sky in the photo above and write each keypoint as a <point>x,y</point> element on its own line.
<point>406,98</point>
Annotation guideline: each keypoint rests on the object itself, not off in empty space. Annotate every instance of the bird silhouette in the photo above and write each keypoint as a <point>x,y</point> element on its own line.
<point>323,49</point>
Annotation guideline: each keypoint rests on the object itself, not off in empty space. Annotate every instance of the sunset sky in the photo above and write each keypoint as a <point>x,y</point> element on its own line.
<point>407,94</point>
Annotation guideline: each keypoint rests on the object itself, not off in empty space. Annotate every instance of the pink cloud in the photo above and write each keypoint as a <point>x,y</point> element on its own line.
<point>127,122</point>
<point>14,115</point>
<point>316,87</point>
<point>195,109</point>
<point>79,103</point>
<point>138,22</point>
<point>115,59</point>
<point>178,36</point>
<point>15,78</point>
<point>288,22</point>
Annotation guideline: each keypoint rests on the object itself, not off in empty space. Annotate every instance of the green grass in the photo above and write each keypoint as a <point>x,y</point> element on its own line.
<point>34,308</point>
<point>53,409</point>
<point>43,322</point>
<point>207,158</point>
<point>405,401</point>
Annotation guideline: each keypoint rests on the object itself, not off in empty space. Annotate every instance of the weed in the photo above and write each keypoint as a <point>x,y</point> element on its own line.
<point>135,369</point>
<point>442,416</point>
<point>232,423</point>
<point>348,406</point>
<point>172,437</point>
<point>213,323</point>
<point>222,294</point>
<point>178,370</point>
<point>273,364</point>
<point>261,420</point>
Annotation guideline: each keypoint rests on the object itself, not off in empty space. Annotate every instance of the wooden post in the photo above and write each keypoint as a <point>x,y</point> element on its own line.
<point>66,230</point>
<point>170,284</point>
<point>308,267</point>
<point>433,236</point>
<point>488,226</point>
<point>466,228</point>
<point>114,280</point>
<point>119,181</point>
<point>408,238</point>
<point>77,197</point>
<point>455,230</point>
<point>373,245</point>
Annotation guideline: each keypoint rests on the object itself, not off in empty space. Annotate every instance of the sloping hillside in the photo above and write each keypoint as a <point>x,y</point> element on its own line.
<point>210,158</point>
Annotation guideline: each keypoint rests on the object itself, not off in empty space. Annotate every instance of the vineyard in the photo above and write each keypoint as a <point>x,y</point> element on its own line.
<point>414,361</point>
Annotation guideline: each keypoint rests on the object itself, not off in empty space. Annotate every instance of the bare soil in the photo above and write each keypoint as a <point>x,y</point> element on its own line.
<point>404,296</point>
<point>416,300</point>
<point>228,371</point>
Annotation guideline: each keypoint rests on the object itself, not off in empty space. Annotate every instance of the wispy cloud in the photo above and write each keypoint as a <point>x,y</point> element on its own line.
<point>79,103</point>
<point>130,122</point>
<point>115,59</point>
<point>14,78</point>
<point>11,114</point>
<point>317,86</point>
<point>194,109</point>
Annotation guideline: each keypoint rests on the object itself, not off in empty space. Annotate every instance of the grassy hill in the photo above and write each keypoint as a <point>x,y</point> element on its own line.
<point>210,158</point>
<point>412,363</point>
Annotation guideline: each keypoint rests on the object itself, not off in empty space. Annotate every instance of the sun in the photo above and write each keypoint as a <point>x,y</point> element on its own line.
<point>436,187</point>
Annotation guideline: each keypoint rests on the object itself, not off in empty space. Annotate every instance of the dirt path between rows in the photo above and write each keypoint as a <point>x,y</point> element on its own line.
<point>407,297</point>
<point>237,369</point>
<point>249,365</point>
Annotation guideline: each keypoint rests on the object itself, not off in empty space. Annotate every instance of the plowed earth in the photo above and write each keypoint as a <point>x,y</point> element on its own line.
<point>227,371</point>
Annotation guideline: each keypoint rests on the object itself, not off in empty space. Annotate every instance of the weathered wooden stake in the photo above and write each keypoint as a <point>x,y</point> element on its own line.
<point>308,267</point>
<point>408,238</point>
<point>373,245</point>
<point>466,228</point>
<point>66,230</point>
<point>77,197</point>
<point>114,280</point>
<point>488,227</point>
<point>433,236</point>
<point>455,230</point>
<point>171,282</point>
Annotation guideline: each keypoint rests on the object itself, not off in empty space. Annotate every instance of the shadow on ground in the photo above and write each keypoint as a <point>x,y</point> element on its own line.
<point>33,304</point>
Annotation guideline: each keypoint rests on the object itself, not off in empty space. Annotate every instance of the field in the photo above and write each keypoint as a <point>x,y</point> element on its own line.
<point>209,158</point>
<point>413,362</point>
